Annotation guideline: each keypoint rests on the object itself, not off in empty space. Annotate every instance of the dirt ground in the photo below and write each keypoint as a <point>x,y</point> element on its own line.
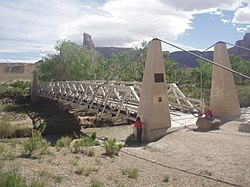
<point>187,157</point>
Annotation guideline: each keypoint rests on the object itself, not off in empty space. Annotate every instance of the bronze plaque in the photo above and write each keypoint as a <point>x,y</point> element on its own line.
<point>159,77</point>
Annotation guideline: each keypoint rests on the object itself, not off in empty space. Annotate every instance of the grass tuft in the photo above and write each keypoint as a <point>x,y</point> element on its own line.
<point>96,183</point>
<point>165,178</point>
<point>63,142</point>
<point>132,173</point>
<point>12,178</point>
<point>111,147</point>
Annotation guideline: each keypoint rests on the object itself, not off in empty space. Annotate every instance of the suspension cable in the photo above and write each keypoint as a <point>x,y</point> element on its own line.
<point>202,63</point>
<point>210,61</point>
<point>242,47</point>
<point>120,70</point>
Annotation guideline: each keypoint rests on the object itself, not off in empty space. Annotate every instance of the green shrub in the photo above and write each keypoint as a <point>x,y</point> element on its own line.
<point>22,131</point>
<point>6,154</point>
<point>63,142</point>
<point>57,178</point>
<point>34,145</point>
<point>86,171</point>
<point>111,147</point>
<point>90,152</point>
<point>12,178</point>
<point>90,140</point>
<point>96,183</point>
<point>6,130</point>
<point>131,173</point>
<point>77,146</point>
<point>37,183</point>
<point>165,178</point>
<point>85,142</point>
<point>21,84</point>
<point>131,140</point>
<point>46,174</point>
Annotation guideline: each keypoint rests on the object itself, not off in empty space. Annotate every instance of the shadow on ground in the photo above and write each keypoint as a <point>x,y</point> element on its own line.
<point>48,117</point>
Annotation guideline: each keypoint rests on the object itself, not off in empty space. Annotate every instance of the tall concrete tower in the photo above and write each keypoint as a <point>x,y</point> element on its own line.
<point>34,87</point>
<point>153,107</point>
<point>224,100</point>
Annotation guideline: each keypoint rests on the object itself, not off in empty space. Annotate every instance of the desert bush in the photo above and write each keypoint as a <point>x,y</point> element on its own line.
<point>12,178</point>
<point>34,145</point>
<point>111,147</point>
<point>46,174</point>
<point>77,146</point>
<point>90,140</point>
<point>58,178</point>
<point>63,142</point>
<point>6,154</point>
<point>96,183</point>
<point>85,142</point>
<point>14,90</point>
<point>22,131</point>
<point>165,178</point>
<point>6,130</point>
<point>21,84</point>
<point>130,172</point>
<point>86,171</point>
<point>131,140</point>
<point>90,152</point>
<point>37,183</point>
<point>244,95</point>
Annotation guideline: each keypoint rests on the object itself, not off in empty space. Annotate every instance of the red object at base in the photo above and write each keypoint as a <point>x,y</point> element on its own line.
<point>208,113</point>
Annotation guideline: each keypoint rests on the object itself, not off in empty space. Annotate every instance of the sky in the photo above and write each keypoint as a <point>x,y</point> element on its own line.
<point>29,29</point>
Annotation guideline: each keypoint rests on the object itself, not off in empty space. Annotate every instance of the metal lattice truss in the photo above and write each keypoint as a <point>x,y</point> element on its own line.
<point>120,99</point>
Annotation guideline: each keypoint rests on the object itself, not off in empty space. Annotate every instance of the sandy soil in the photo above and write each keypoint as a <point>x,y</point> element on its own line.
<point>189,158</point>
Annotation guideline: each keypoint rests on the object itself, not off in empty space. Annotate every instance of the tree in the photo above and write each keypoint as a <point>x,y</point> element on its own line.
<point>72,62</point>
<point>202,74</point>
<point>172,69</point>
<point>128,65</point>
<point>242,66</point>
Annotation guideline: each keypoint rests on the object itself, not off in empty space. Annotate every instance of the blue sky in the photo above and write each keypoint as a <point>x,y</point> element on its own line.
<point>29,29</point>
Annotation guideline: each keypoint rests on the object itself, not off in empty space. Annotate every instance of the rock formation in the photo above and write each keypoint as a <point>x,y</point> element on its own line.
<point>87,41</point>
<point>17,68</point>
<point>243,53</point>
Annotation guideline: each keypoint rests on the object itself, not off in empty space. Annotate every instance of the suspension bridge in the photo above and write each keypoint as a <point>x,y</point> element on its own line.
<point>159,104</point>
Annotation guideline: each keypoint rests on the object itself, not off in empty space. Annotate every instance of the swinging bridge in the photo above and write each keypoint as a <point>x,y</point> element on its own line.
<point>152,99</point>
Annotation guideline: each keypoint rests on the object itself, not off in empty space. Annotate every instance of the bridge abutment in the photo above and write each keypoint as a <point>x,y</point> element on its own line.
<point>154,107</point>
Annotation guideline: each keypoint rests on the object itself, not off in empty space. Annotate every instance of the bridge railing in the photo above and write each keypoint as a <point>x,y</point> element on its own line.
<point>121,99</point>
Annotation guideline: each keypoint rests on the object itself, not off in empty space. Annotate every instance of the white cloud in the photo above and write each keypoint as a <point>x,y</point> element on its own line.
<point>198,6</point>
<point>18,61</point>
<point>225,21</point>
<point>242,15</point>
<point>241,29</point>
<point>37,25</point>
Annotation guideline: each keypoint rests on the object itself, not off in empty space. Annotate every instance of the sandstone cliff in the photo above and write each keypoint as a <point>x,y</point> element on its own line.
<point>17,68</point>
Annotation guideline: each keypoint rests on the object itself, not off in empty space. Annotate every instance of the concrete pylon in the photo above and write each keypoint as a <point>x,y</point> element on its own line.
<point>34,87</point>
<point>153,107</point>
<point>224,101</point>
